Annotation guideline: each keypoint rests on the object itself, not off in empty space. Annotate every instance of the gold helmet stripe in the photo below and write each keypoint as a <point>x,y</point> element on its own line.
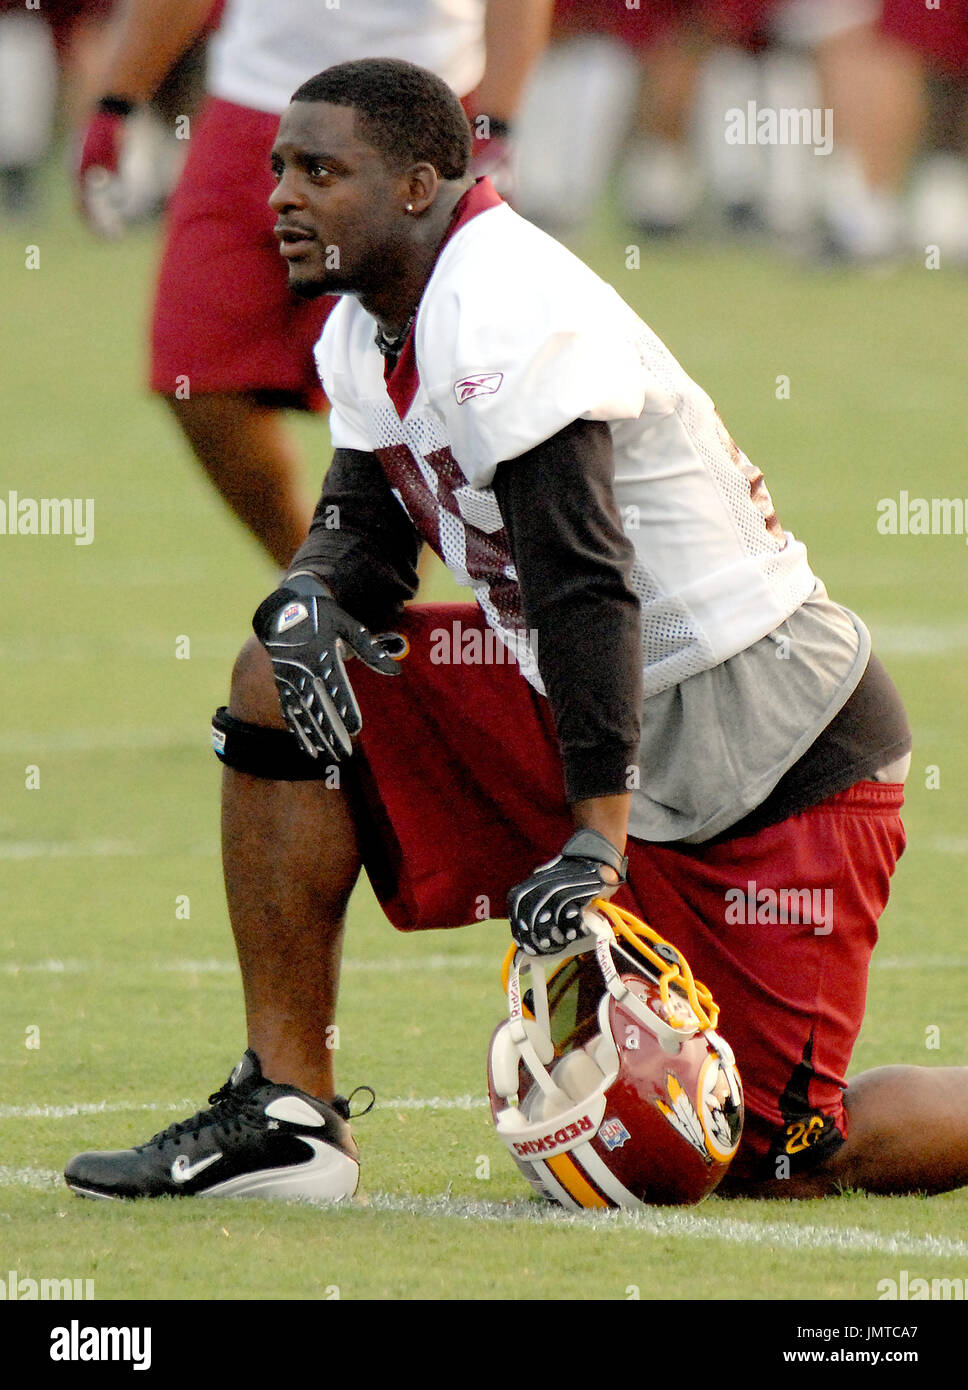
<point>573,1181</point>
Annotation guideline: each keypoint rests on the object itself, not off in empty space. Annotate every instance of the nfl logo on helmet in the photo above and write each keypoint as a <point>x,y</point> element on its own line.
<point>613,1134</point>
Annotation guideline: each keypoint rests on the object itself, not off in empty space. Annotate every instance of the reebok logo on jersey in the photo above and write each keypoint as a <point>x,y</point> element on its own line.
<point>483,385</point>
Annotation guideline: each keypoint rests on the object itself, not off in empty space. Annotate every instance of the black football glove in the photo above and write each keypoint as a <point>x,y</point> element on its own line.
<point>306,634</point>
<point>545,910</point>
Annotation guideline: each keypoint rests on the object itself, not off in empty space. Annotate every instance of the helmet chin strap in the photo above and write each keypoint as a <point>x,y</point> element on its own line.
<point>518,1030</point>
<point>669,967</point>
<point>566,1118</point>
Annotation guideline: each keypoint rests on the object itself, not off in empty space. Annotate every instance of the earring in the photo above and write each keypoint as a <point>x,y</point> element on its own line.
<point>410,207</point>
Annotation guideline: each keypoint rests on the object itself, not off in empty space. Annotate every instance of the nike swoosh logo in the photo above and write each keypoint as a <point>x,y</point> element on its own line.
<point>183,1170</point>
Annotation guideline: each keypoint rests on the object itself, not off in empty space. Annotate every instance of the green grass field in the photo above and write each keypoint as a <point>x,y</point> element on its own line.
<point>121,1013</point>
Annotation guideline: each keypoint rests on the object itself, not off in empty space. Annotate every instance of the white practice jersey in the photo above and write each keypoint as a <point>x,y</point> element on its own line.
<point>265,49</point>
<point>514,339</point>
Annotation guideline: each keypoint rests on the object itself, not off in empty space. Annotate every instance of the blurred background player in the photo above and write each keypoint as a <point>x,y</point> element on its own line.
<point>38,47</point>
<point>230,347</point>
<point>52,65</point>
<point>643,91</point>
<point>620,85</point>
<point>897,86</point>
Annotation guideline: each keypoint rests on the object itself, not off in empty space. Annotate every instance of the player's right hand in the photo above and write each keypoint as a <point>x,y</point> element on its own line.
<point>98,170</point>
<point>546,910</point>
<point>306,634</point>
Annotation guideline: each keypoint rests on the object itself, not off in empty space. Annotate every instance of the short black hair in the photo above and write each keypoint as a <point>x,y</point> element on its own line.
<point>407,113</point>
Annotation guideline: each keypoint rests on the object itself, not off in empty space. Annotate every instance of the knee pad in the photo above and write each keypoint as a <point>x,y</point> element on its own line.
<point>272,753</point>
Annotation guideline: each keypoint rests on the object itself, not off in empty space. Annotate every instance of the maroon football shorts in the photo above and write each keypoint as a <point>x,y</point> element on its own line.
<point>657,21</point>
<point>62,16</point>
<point>939,34</point>
<point>461,796</point>
<point>224,319</point>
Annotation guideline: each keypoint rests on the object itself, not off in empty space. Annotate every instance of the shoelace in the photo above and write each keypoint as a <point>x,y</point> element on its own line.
<point>348,1103</point>
<point>234,1115</point>
<point>231,1107</point>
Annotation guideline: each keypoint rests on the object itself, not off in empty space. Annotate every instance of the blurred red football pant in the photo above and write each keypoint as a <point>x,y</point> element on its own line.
<point>224,320</point>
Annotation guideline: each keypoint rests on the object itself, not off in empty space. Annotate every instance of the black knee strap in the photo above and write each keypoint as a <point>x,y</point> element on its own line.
<point>261,752</point>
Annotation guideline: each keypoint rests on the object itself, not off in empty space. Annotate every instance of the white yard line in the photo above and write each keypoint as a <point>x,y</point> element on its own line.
<point>104,741</point>
<point>917,639</point>
<point>941,844</point>
<point>432,1103</point>
<point>188,1107</point>
<point>396,965</point>
<point>679,1224</point>
<point>919,962</point>
<point>390,965</point>
<point>112,848</point>
<point>37,1178</point>
<point>665,1224</point>
<point>102,849</point>
<point>93,1107</point>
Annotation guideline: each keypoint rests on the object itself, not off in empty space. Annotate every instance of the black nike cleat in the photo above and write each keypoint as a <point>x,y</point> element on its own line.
<point>257,1140</point>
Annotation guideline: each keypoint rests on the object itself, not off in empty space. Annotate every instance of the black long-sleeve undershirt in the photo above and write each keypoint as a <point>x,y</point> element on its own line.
<point>573,562</point>
<point>361,542</point>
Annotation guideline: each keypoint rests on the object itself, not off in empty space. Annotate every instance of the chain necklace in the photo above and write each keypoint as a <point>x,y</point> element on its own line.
<point>391,347</point>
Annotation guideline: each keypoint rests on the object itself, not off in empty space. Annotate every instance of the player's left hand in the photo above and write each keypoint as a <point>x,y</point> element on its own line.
<point>307,635</point>
<point>545,911</point>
